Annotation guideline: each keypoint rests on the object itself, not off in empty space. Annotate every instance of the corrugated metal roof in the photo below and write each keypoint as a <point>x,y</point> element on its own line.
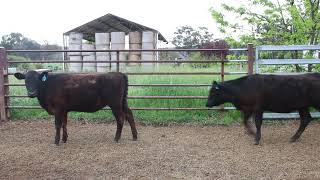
<point>111,23</point>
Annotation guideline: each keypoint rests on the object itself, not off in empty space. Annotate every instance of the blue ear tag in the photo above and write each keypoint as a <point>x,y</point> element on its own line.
<point>44,78</point>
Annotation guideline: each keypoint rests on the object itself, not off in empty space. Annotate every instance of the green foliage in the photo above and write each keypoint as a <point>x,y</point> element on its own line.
<point>188,37</point>
<point>17,41</point>
<point>24,66</point>
<point>272,22</point>
<point>198,57</point>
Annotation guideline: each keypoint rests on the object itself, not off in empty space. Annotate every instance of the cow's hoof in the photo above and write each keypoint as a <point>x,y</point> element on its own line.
<point>256,143</point>
<point>64,140</point>
<point>293,140</point>
<point>251,133</point>
<point>135,139</point>
<point>116,140</point>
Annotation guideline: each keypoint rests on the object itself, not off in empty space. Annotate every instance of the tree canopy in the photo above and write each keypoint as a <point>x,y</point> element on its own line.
<point>272,21</point>
<point>17,41</point>
<point>188,37</point>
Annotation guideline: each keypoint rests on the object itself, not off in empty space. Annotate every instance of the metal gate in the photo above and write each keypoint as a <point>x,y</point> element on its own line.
<point>5,97</point>
<point>259,62</point>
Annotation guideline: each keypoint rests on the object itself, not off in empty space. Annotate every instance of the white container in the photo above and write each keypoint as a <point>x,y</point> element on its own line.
<point>102,43</point>
<point>117,43</point>
<point>148,42</point>
<point>75,43</point>
<point>135,42</point>
<point>89,56</point>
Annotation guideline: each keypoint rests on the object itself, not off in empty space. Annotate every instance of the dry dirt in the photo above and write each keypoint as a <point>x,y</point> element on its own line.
<point>172,152</point>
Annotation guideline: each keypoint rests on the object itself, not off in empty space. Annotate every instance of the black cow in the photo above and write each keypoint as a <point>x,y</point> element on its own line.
<point>61,93</point>
<point>254,94</point>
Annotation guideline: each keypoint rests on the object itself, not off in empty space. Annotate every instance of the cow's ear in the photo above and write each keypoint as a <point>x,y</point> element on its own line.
<point>19,76</point>
<point>44,76</point>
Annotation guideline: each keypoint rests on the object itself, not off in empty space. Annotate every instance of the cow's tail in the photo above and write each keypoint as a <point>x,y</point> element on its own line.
<point>125,95</point>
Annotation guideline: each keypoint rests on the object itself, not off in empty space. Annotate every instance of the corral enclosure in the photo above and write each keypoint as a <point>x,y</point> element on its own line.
<point>168,91</point>
<point>162,85</point>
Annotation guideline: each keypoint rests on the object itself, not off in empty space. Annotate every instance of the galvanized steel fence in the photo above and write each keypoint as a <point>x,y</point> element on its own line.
<point>5,96</point>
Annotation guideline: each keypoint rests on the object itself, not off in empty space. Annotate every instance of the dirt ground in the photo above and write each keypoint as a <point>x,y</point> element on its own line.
<point>171,152</point>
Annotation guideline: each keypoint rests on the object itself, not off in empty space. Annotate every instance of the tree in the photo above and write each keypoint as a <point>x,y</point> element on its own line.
<point>188,37</point>
<point>277,23</point>
<point>217,44</point>
<point>286,22</point>
<point>18,41</point>
<point>50,55</point>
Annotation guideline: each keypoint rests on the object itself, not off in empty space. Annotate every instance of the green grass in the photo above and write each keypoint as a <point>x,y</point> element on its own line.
<point>150,117</point>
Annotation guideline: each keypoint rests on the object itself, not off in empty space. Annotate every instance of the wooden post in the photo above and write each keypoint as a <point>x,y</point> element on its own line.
<point>250,58</point>
<point>222,66</point>
<point>3,65</point>
<point>222,78</point>
<point>118,58</point>
<point>7,91</point>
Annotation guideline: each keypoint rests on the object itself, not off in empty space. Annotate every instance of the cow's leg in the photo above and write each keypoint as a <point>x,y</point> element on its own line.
<point>119,115</point>
<point>130,119</point>
<point>305,118</point>
<point>58,122</point>
<point>258,122</point>
<point>248,128</point>
<point>64,128</point>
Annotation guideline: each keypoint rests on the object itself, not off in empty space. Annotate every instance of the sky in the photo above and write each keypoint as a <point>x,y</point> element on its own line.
<point>47,20</point>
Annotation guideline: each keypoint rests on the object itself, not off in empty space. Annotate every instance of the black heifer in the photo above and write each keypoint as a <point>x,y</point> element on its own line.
<point>254,94</point>
<point>60,93</point>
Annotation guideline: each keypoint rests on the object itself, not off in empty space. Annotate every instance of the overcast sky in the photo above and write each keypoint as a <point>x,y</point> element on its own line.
<point>48,19</point>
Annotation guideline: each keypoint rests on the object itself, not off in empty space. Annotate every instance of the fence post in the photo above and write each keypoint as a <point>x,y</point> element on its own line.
<point>250,55</point>
<point>3,65</point>
<point>222,58</point>
<point>222,66</point>
<point>118,58</point>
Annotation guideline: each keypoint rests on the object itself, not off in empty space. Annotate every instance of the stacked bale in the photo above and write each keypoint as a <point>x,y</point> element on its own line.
<point>75,43</point>
<point>102,43</point>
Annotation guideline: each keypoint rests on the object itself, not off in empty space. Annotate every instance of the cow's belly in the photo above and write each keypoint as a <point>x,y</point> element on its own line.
<point>87,104</point>
<point>284,106</point>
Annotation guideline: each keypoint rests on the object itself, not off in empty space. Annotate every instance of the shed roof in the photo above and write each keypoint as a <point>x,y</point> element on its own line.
<point>111,23</point>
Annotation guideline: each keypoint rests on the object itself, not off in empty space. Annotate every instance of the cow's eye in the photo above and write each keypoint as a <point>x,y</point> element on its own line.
<point>217,88</point>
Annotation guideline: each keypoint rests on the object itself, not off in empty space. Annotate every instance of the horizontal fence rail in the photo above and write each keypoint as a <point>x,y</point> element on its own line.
<point>144,85</point>
<point>288,61</point>
<point>131,50</point>
<point>121,63</point>
<point>127,61</point>
<point>135,97</point>
<point>288,48</point>
<point>135,108</point>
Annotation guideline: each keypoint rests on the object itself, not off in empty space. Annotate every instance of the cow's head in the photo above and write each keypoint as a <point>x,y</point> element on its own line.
<point>33,80</point>
<point>218,95</point>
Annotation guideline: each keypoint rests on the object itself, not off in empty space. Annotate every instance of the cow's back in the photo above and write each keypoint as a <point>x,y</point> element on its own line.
<point>83,92</point>
<point>284,93</point>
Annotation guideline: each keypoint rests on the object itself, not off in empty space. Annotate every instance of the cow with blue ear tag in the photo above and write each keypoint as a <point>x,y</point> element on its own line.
<point>60,93</point>
<point>33,80</point>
